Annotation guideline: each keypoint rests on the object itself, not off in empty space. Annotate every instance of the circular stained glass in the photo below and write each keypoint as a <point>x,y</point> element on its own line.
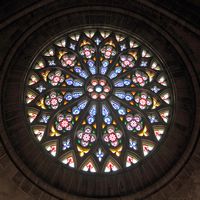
<point>98,100</point>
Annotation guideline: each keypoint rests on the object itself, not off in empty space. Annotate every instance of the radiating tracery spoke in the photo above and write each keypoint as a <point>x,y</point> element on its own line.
<point>86,133</point>
<point>98,100</point>
<point>112,132</point>
<point>125,62</point>
<point>87,50</point>
<point>69,55</point>
<point>63,58</point>
<point>134,119</point>
<point>108,53</point>
<point>62,120</point>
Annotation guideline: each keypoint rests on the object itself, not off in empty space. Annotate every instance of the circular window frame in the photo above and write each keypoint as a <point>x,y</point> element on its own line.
<point>143,44</point>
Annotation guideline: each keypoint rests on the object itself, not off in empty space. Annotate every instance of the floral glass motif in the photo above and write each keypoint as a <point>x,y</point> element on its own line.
<point>85,136</point>
<point>112,136</point>
<point>56,77</point>
<point>94,96</point>
<point>53,100</point>
<point>64,122</point>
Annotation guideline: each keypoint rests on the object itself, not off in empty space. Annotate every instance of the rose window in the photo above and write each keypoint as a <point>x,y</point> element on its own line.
<point>98,100</point>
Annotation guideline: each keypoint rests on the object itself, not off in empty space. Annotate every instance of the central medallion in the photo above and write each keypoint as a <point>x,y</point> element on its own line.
<point>98,88</point>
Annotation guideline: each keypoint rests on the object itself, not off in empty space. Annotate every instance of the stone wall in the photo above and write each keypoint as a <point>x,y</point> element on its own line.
<point>178,19</point>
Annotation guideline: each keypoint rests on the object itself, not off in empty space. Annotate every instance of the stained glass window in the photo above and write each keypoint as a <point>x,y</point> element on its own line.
<point>98,100</point>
